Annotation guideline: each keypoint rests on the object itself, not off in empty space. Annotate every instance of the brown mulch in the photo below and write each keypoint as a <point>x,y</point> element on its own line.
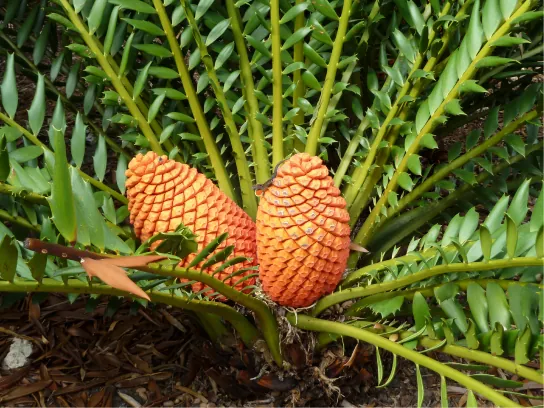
<point>106,352</point>
<point>95,353</point>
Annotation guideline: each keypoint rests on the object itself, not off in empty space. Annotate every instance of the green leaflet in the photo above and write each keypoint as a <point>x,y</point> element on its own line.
<point>170,93</point>
<point>405,181</point>
<point>4,160</point>
<point>404,45</point>
<point>294,11</point>
<point>97,13</point>
<point>499,312</point>
<point>507,41</point>
<point>36,113</point>
<point>100,158</point>
<point>77,143</point>
<point>120,176</point>
<point>203,6</point>
<point>518,207</point>
<point>414,164</point>
<point>135,5</point>
<point>71,81</point>
<point>311,81</point>
<point>25,154</point>
<point>217,31</point>
<point>493,61</point>
<point>110,34</point>
<point>528,16</point>
<point>141,81</point>
<point>223,55</point>
<point>259,46</point>
<point>420,310</point>
<point>39,48</point>
<point>126,54</point>
<point>162,72</point>
<point>62,199</point>
<point>9,87</point>
<point>154,50</point>
<point>90,222</point>
<point>145,26</point>
<point>537,216</point>
<point>26,27</point>
<point>181,117</point>
<point>420,387</point>
<point>207,250</point>
<point>217,257</point>
<point>325,8</point>
<point>8,258</point>
<point>296,37</point>
<point>155,107</point>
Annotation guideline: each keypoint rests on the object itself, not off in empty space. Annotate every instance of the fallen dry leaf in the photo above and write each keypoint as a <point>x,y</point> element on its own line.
<point>24,390</point>
<point>112,275</point>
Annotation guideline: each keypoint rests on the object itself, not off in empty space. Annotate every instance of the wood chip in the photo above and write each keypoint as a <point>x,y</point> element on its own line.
<point>129,400</point>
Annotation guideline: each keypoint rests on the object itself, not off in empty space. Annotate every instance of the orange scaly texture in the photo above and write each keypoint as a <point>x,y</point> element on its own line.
<point>303,234</point>
<point>163,193</point>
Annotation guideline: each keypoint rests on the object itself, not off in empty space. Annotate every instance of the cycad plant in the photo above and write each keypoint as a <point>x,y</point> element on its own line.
<point>232,89</point>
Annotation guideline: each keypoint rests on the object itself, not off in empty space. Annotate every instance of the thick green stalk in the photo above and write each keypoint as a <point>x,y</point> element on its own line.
<point>111,143</point>
<point>17,220</point>
<point>277,91</point>
<point>350,151</point>
<point>311,323</point>
<point>336,98</point>
<point>300,90</point>
<point>85,176</point>
<point>248,333</point>
<point>359,292</point>
<point>248,196</point>
<point>255,130</point>
<point>460,161</point>
<point>25,195</point>
<point>370,223</point>
<point>217,162</point>
<point>458,351</point>
<point>315,131</point>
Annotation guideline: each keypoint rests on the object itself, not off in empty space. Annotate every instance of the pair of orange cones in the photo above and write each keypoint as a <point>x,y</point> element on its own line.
<point>301,238</point>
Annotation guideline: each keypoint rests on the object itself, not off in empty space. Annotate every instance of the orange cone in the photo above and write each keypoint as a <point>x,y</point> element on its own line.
<point>163,193</point>
<point>303,233</point>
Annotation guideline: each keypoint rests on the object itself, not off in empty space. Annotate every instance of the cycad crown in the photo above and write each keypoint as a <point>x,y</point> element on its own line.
<point>163,194</point>
<point>302,233</point>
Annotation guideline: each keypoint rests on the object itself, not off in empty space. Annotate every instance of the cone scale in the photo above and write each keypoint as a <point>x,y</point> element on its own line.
<point>303,233</point>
